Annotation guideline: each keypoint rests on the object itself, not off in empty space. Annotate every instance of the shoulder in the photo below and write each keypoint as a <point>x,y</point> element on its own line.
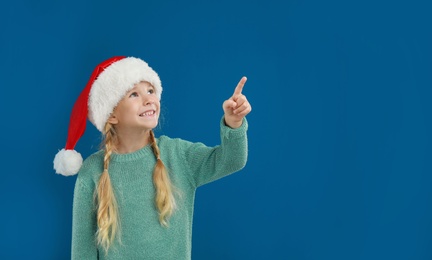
<point>175,144</point>
<point>176,149</point>
<point>91,168</point>
<point>165,141</point>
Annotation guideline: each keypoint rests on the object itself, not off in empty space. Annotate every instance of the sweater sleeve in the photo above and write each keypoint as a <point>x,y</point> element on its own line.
<point>211,163</point>
<point>83,223</point>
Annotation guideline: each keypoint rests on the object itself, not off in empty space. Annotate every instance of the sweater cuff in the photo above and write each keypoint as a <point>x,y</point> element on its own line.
<point>228,132</point>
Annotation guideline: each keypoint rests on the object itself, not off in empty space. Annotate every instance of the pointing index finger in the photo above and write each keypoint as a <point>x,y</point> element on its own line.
<point>239,88</point>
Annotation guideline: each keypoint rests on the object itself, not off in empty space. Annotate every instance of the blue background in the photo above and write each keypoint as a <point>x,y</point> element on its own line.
<point>340,133</point>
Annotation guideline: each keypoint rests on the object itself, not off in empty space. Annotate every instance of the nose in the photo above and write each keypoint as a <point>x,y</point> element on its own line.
<point>148,100</point>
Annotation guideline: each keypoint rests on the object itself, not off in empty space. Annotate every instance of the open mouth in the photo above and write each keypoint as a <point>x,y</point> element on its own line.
<point>148,113</point>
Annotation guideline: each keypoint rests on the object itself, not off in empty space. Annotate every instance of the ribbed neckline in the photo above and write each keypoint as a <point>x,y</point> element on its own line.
<point>138,154</point>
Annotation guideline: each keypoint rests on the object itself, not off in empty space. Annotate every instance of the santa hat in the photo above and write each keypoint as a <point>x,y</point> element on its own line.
<point>108,84</point>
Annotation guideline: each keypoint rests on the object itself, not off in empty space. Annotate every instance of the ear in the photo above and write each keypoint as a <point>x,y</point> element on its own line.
<point>112,119</point>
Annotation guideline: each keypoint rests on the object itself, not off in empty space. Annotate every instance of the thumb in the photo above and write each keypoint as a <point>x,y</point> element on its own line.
<point>229,105</point>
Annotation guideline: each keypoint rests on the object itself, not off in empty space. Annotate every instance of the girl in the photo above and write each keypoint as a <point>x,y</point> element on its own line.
<point>134,198</point>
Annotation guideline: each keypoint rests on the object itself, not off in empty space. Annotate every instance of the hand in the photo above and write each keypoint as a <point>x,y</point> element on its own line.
<point>237,106</point>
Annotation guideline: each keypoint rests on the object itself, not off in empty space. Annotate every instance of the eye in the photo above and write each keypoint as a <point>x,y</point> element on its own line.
<point>133,94</point>
<point>151,91</point>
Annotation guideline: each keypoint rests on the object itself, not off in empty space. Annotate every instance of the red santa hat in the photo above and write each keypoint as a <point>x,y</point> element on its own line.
<point>108,84</point>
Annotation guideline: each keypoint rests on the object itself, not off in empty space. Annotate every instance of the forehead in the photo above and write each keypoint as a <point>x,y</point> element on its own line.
<point>144,84</point>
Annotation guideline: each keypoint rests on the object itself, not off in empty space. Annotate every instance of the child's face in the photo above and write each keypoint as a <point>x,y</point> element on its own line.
<point>139,109</point>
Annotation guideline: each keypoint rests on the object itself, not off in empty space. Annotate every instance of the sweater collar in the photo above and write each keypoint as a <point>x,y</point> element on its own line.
<point>144,152</point>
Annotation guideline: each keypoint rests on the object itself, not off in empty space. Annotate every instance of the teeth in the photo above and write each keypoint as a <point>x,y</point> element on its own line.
<point>149,113</point>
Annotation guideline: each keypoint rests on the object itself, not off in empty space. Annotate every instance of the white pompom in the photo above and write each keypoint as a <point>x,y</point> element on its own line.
<point>67,162</point>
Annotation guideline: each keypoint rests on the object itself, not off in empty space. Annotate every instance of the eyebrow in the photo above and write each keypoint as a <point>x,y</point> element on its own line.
<point>136,88</point>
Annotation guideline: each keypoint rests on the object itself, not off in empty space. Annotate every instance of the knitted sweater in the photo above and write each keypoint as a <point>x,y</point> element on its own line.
<point>190,165</point>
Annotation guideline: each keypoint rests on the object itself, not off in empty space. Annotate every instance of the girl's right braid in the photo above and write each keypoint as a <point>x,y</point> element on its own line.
<point>107,213</point>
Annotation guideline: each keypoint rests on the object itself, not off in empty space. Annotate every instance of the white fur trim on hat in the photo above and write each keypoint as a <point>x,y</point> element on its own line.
<point>67,162</point>
<point>113,83</point>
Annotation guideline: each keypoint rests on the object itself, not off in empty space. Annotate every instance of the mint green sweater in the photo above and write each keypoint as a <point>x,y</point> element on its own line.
<point>190,165</point>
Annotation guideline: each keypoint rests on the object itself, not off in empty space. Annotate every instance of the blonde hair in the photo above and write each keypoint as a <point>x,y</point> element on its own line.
<point>107,210</point>
<point>165,201</point>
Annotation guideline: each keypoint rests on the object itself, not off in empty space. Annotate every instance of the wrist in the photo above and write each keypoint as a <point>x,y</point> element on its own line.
<point>233,123</point>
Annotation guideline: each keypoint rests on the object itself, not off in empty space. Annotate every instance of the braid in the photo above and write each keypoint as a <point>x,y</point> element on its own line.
<point>107,214</point>
<point>165,201</point>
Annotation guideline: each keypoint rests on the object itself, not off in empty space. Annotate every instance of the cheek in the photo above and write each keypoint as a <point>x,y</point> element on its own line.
<point>121,109</point>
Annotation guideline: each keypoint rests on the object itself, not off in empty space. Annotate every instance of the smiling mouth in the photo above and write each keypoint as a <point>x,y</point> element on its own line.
<point>148,113</point>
